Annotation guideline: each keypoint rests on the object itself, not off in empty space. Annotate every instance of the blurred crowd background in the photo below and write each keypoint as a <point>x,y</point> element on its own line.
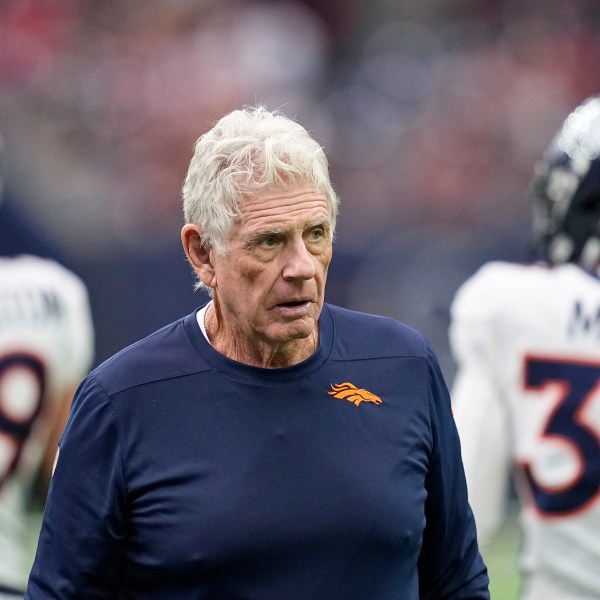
<point>432,112</point>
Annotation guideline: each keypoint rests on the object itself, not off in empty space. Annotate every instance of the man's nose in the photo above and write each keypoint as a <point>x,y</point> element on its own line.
<point>299,262</point>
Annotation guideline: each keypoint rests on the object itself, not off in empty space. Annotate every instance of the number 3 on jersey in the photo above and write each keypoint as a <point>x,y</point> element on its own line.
<point>21,393</point>
<point>570,425</point>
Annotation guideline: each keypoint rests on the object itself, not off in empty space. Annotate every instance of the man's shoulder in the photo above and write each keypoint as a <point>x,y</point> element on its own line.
<point>364,335</point>
<point>495,274</point>
<point>36,271</point>
<point>167,353</point>
<point>498,286</point>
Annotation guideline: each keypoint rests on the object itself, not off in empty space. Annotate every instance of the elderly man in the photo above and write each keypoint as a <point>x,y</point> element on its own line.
<point>268,446</point>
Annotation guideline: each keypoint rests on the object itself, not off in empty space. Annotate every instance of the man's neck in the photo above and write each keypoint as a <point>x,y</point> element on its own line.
<point>257,353</point>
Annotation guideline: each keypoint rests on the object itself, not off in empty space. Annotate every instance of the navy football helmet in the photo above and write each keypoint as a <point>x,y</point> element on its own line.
<point>566,191</point>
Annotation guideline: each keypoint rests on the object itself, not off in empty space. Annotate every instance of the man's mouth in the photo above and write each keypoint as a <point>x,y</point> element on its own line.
<point>293,303</point>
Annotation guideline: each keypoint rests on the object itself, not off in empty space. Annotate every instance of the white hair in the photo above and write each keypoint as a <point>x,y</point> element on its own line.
<point>245,151</point>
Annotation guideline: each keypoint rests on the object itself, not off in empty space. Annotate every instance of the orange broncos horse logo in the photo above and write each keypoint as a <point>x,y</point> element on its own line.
<point>347,391</point>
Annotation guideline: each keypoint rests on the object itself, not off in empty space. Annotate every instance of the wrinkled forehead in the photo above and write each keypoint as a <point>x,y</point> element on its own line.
<point>284,206</point>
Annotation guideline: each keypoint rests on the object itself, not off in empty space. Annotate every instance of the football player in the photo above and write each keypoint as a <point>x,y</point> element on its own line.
<point>526,396</point>
<point>46,346</point>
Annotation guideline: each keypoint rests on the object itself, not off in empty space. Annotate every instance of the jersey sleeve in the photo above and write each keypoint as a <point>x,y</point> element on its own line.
<point>481,417</point>
<point>450,564</point>
<point>78,334</point>
<point>80,544</point>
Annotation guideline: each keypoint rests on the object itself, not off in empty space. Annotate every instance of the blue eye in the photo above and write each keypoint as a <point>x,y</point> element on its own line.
<point>268,241</point>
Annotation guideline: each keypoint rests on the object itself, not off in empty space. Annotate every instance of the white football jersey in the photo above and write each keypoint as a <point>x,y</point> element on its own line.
<point>46,347</point>
<point>527,400</point>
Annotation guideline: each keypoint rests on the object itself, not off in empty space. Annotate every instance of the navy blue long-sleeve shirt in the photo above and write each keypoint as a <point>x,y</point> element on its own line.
<point>183,474</point>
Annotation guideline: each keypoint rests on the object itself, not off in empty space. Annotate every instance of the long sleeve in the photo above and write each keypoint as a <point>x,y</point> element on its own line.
<point>480,410</point>
<point>485,449</point>
<point>79,548</point>
<point>450,565</point>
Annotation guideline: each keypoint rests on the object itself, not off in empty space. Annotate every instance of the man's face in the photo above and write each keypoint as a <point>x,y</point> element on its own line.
<point>270,286</point>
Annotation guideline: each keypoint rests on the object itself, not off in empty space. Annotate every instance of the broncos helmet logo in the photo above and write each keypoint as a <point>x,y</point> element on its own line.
<point>348,391</point>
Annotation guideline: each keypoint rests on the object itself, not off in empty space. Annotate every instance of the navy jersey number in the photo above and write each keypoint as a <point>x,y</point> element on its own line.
<point>22,387</point>
<point>579,382</point>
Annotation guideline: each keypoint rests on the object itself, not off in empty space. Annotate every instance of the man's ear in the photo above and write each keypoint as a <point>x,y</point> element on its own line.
<point>199,256</point>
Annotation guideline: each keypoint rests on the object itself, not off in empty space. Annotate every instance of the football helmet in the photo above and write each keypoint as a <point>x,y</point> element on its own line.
<point>566,191</point>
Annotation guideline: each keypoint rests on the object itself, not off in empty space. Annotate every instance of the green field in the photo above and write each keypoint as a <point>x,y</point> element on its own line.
<point>501,559</point>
